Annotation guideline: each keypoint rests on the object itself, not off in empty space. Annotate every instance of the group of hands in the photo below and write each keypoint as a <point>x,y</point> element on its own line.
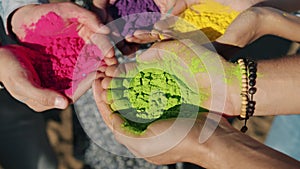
<point>22,83</point>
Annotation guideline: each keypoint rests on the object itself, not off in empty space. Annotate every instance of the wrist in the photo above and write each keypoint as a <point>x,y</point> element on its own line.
<point>233,80</point>
<point>209,154</point>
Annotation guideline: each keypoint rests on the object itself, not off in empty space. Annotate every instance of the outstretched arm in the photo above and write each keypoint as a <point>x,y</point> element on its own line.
<point>259,21</point>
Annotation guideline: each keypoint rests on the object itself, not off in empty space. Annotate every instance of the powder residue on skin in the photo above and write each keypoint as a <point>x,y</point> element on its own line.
<point>65,59</point>
<point>134,16</point>
<point>211,17</point>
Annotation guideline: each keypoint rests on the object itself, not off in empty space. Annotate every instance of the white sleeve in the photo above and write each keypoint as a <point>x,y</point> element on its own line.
<point>8,6</point>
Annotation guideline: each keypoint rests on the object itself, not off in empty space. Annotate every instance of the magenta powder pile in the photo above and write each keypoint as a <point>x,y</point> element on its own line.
<point>134,16</point>
<point>65,59</point>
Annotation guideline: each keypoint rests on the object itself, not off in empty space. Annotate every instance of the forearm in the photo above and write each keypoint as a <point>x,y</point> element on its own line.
<point>277,86</point>
<point>286,5</point>
<point>230,149</point>
<point>284,22</point>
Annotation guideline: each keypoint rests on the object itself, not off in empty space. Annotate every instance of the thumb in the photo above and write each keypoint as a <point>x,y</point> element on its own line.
<point>49,98</point>
<point>41,97</point>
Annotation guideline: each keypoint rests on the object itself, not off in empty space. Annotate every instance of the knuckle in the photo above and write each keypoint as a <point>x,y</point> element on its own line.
<point>46,101</point>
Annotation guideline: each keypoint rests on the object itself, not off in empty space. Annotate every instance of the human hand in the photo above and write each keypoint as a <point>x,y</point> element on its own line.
<point>100,8</point>
<point>256,22</point>
<point>204,74</point>
<point>167,141</point>
<point>22,82</point>
<point>89,27</point>
<point>168,9</point>
<point>170,15</point>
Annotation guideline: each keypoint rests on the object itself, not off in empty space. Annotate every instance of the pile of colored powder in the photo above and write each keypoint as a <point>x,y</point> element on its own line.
<point>136,14</point>
<point>151,95</point>
<point>65,60</point>
<point>211,17</point>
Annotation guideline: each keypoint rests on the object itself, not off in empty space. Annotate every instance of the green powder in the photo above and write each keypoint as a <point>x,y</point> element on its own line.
<point>152,94</point>
<point>165,87</point>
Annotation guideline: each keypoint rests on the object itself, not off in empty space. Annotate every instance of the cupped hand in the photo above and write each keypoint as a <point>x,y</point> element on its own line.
<point>170,11</point>
<point>165,141</point>
<point>100,8</point>
<point>256,22</point>
<point>89,27</point>
<point>22,82</point>
<point>208,76</point>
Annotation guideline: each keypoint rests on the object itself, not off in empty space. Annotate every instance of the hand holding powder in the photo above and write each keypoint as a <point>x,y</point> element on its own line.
<point>134,16</point>
<point>211,17</point>
<point>65,59</point>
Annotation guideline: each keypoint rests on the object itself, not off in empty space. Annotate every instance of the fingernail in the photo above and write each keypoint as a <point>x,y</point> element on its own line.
<point>60,102</point>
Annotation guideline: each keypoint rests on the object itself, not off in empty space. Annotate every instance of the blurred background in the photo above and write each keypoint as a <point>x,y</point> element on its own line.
<point>75,150</point>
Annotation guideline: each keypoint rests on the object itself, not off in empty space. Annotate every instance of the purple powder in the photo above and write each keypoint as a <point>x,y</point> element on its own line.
<point>137,14</point>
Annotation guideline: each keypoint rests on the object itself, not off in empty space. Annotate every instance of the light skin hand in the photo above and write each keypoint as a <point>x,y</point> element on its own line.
<point>226,148</point>
<point>258,21</point>
<point>22,82</point>
<point>99,7</point>
<point>199,81</point>
<point>90,28</point>
<point>170,10</point>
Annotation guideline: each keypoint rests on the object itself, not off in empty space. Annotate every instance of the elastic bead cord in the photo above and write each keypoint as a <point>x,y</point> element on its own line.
<point>248,70</point>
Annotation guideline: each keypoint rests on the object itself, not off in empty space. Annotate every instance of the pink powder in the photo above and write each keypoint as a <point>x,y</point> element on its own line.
<point>65,59</point>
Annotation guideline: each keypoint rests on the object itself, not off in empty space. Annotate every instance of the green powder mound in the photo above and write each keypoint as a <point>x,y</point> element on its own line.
<point>152,94</point>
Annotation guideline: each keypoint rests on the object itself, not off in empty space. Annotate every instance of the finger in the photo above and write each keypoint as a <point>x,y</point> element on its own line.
<point>165,24</point>
<point>103,44</point>
<point>110,61</point>
<point>106,97</point>
<point>106,113</point>
<point>110,70</point>
<point>144,36</point>
<point>106,82</point>
<point>37,98</point>
<point>88,19</point>
<point>97,90</point>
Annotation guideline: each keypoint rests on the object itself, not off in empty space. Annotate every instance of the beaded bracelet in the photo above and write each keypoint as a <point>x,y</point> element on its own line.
<point>248,70</point>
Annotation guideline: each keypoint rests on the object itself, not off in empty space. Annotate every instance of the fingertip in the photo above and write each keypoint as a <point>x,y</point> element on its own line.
<point>61,102</point>
<point>106,82</point>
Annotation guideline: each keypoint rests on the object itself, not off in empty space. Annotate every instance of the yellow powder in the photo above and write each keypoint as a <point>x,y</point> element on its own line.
<point>211,17</point>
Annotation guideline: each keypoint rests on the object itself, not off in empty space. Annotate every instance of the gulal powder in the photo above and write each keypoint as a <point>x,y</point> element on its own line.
<point>211,17</point>
<point>65,59</point>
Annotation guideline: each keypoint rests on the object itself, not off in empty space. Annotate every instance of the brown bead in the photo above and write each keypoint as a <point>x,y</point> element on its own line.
<point>244,81</point>
<point>244,89</point>
<point>252,76</point>
<point>251,104</point>
<point>252,90</point>
<point>252,83</point>
<point>244,129</point>
<point>244,102</point>
<point>244,84</point>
